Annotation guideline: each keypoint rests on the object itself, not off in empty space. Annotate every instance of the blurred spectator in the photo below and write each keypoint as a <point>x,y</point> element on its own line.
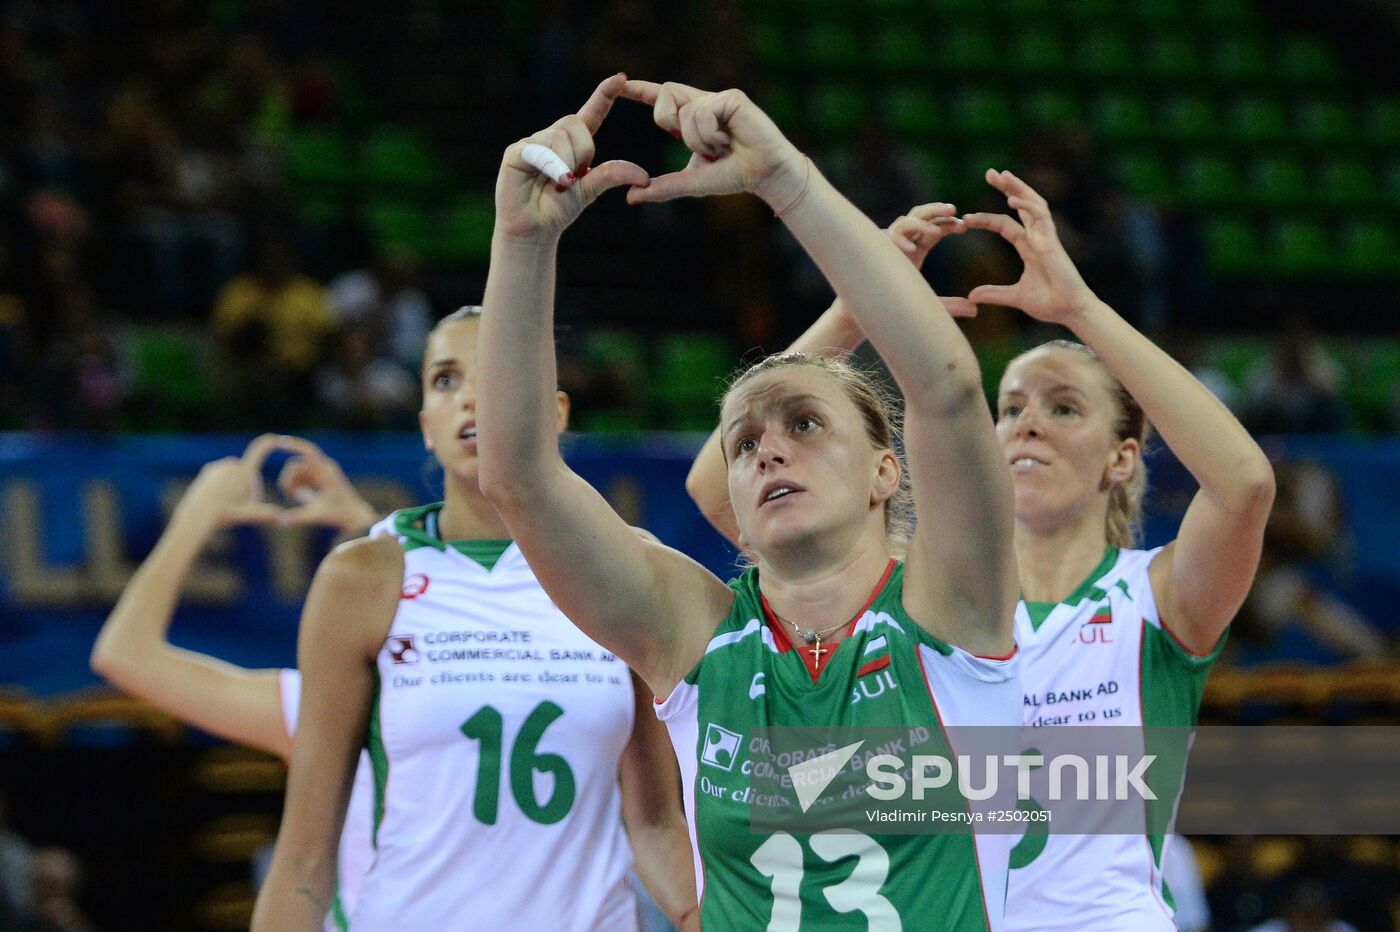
<point>57,878</point>
<point>1240,897</point>
<point>1188,348</point>
<point>362,389</point>
<point>1307,908</point>
<point>883,178</point>
<point>387,300</point>
<point>1328,883</point>
<point>271,322</point>
<point>1298,390</point>
<point>16,867</point>
<point>1288,614</point>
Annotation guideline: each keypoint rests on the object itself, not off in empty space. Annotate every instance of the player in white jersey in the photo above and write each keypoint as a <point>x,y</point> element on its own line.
<point>257,708</point>
<point>510,767</point>
<point>1108,634</point>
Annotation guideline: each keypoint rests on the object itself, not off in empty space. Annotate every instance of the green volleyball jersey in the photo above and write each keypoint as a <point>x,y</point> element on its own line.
<point>888,671</point>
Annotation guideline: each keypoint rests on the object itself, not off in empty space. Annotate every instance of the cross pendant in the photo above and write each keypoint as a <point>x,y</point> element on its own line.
<point>816,653</point>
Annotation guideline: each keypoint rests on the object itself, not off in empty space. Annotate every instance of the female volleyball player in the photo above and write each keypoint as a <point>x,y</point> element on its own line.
<point>256,708</point>
<point>498,734</point>
<point>1145,626</point>
<point>815,482</point>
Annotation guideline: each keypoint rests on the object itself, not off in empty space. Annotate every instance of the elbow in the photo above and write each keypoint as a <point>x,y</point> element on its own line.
<point>106,661</point>
<point>955,395</point>
<point>1256,486</point>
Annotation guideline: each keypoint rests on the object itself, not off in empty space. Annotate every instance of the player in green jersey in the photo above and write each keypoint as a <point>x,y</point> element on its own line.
<point>827,627</point>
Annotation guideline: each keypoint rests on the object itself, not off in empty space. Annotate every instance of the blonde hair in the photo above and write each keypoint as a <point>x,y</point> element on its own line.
<point>1123,521</point>
<point>882,415</point>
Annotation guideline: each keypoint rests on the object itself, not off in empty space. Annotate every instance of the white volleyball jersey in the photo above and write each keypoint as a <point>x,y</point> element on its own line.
<point>355,850</point>
<point>494,734</point>
<point>1101,657</point>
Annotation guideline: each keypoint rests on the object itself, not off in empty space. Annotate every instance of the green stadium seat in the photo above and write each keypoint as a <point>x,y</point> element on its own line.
<point>1279,181</point>
<point>1235,356</point>
<point>779,101</point>
<point>1300,248</point>
<point>396,157</point>
<point>1371,250</point>
<point>1091,11</point>
<point>1324,122</point>
<point>1257,120</point>
<point>1209,181</point>
<point>966,48</point>
<point>690,373</point>
<point>1118,116</point>
<point>1037,51</point>
<point>772,45</point>
<point>1240,58</point>
<point>398,223</point>
<point>464,236</point>
<point>830,46</point>
<point>912,111</point>
<point>1159,12</point>
<point>937,179</point>
<point>1049,107</point>
<point>1233,250</point>
<point>1390,193</point>
<point>1021,10</point>
<point>1382,122</point>
<point>1105,53</point>
<point>1347,183</point>
<point>1374,381</point>
<point>902,47</point>
<point>1189,120</point>
<point>1224,12</point>
<point>982,112</point>
<point>978,158</point>
<point>169,369</point>
<point>317,157</point>
<point>1306,60</point>
<point>1174,56</point>
<point>1145,173</point>
<point>837,110</point>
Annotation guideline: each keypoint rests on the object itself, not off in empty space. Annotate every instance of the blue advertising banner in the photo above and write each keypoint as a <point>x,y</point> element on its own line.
<point>77,514</point>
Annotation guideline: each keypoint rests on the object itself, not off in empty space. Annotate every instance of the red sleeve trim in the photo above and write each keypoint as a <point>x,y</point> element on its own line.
<point>1191,653</point>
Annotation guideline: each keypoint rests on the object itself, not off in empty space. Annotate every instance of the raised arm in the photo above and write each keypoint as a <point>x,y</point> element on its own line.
<point>345,620</point>
<point>650,605</point>
<point>132,651</point>
<point>1200,579</point>
<point>834,333</point>
<point>960,578</point>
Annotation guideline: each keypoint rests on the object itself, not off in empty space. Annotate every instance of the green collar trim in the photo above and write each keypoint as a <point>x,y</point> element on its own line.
<point>1039,611</point>
<point>419,528</point>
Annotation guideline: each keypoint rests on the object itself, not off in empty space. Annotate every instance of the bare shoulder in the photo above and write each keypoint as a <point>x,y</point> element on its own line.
<point>365,563</point>
<point>356,592</point>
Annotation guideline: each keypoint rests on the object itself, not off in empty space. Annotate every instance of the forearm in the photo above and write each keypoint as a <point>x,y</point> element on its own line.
<point>141,619</point>
<point>1208,440</point>
<point>665,864</point>
<point>888,298</point>
<point>516,417</point>
<point>295,898</point>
